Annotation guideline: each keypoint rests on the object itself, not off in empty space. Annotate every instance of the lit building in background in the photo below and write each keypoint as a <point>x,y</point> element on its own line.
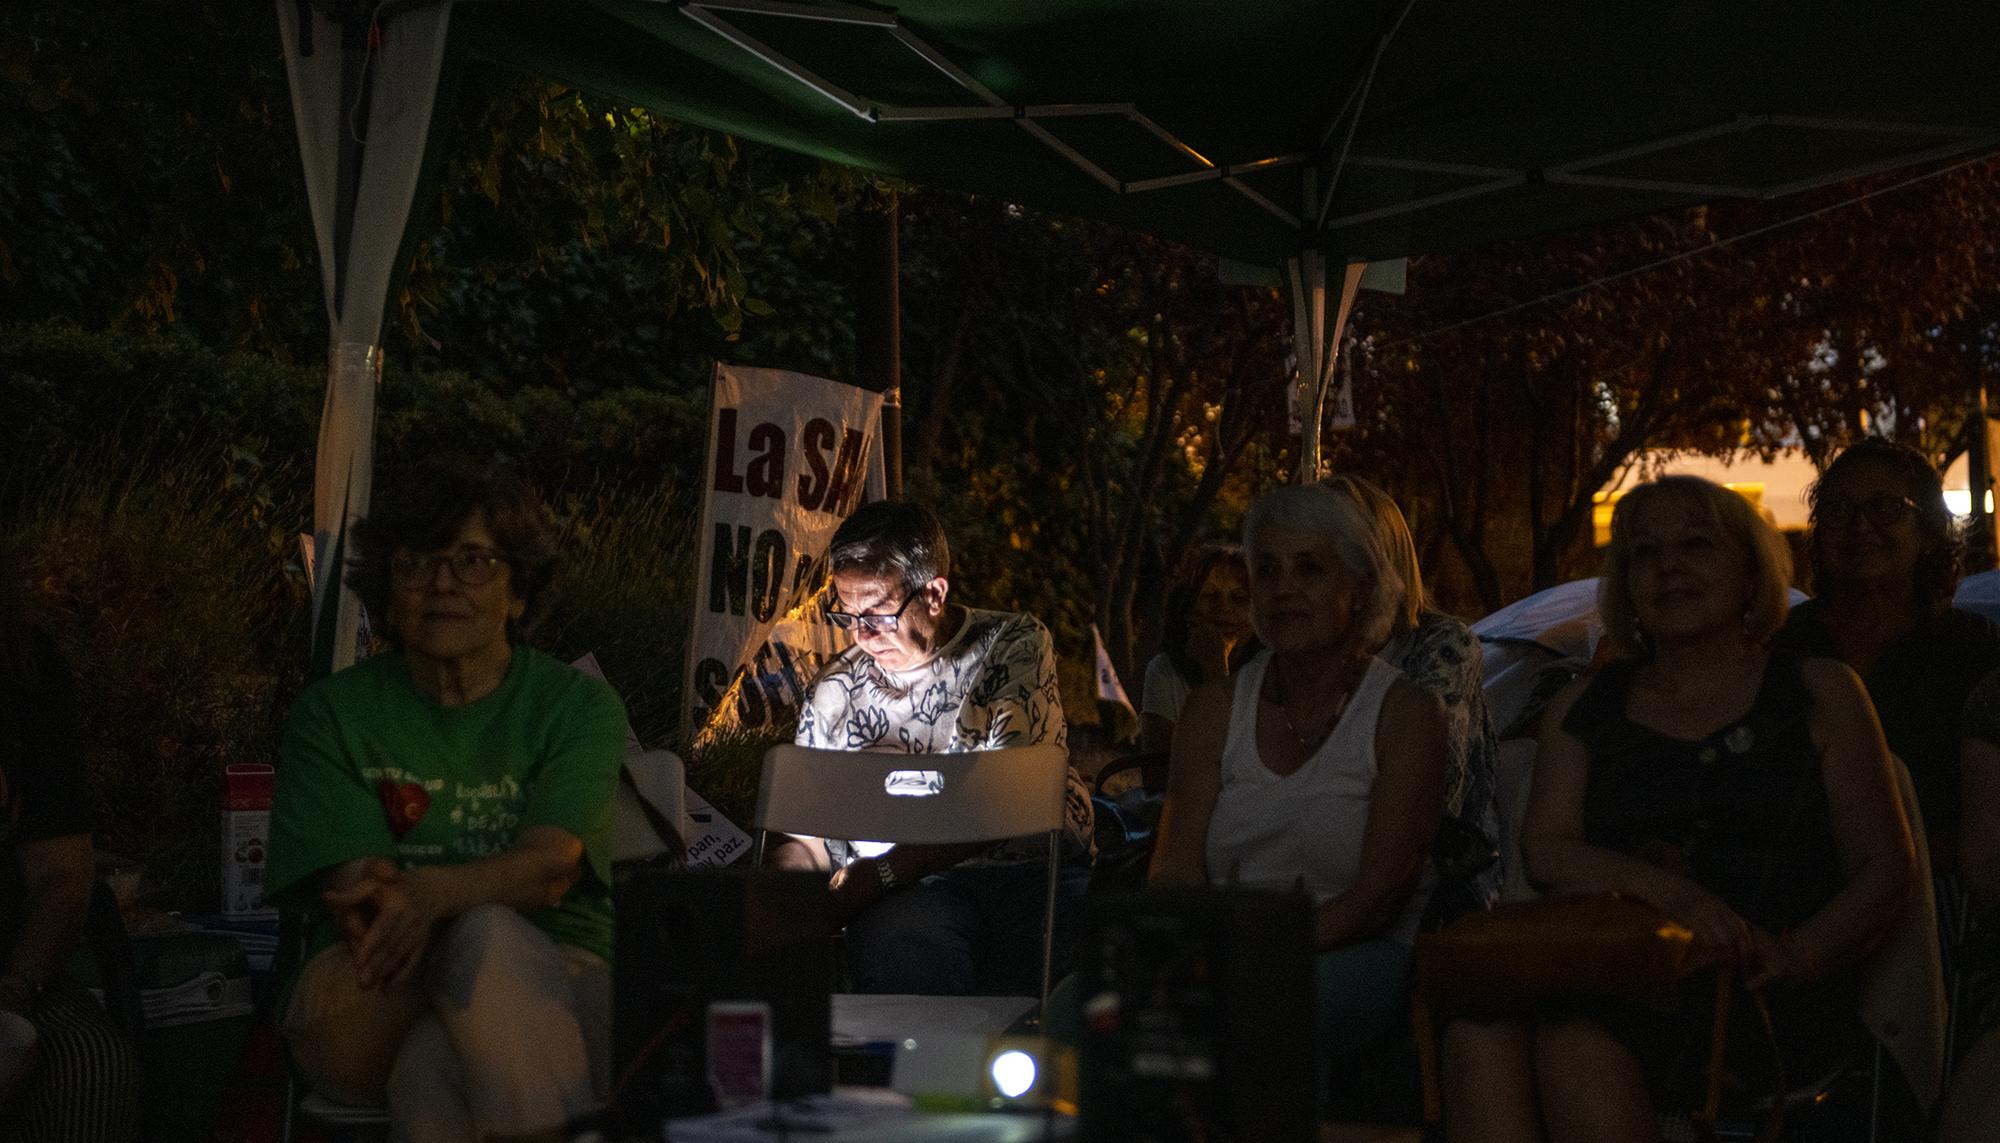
<point>1776,487</point>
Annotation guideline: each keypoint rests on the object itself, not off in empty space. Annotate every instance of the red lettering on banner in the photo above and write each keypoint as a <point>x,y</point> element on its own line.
<point>767,573</point>
<point>813,443</point>
<point>847,482</point>
<point>726,479</point>
<point>766,474</point>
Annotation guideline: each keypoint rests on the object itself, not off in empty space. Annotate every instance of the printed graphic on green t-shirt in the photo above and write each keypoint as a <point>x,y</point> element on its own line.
<point>371,767</point>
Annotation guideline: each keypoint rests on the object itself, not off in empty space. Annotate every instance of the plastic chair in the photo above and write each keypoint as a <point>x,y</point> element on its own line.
<point>920,799</point>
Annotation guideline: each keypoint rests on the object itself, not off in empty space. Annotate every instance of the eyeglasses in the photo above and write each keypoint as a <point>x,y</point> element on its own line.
<point>871,623</point>
<point>1882,510</point>
<point>471,566</point>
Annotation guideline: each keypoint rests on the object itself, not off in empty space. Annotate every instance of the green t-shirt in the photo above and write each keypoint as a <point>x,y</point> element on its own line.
<point>371,767</point>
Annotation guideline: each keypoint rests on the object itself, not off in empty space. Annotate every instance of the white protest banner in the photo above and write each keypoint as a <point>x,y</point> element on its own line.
<point>789,456</point>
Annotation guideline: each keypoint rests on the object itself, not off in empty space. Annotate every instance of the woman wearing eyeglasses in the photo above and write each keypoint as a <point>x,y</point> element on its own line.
<point>1885,562</point>
<point>441,813</point>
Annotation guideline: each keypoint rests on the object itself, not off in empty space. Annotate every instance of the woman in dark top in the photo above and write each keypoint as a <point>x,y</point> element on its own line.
<point>1885,565</point>
<point>1208,634</point>
<point>83,1084</point>
<point>1745,793</point>
<point>1972,1099</point>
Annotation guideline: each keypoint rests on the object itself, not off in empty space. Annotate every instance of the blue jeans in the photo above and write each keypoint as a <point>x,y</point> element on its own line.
<point>972,930</point>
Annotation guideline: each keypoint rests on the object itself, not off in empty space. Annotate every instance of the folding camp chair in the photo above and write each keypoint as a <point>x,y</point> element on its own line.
<point>920,799</point>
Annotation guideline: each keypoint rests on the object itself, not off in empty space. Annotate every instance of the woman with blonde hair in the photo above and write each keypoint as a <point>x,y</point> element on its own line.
<point>1316,763</point>
<point>1744,792</point>
<point>1439,653</point>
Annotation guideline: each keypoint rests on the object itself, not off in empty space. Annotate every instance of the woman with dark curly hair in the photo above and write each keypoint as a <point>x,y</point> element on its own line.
<point>442,809</point>
<point>1207,634</point>
<point>1885,562</point>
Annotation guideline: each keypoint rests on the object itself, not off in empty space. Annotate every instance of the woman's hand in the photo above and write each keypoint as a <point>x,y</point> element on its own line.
<point>1714,923</point>
<point>387,916</point>
<point>350,895</point>
<point>1779,960</point>
<point>406,912</point>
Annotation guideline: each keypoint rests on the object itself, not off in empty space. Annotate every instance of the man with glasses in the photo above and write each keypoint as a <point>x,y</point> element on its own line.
<point>926,676</point>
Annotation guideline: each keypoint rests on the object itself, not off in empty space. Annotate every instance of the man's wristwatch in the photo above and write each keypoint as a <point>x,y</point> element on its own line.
<point>885,872</point>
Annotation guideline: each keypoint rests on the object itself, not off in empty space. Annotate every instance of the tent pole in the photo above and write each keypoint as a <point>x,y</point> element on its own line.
<point>878,332</point>
<point>1316,349</point>
<point>351,150</point>
<point>1306,275</point>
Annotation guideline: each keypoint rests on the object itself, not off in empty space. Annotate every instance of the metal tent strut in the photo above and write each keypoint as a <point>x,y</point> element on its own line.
<point>713,15</point>
<point>1335,144</point>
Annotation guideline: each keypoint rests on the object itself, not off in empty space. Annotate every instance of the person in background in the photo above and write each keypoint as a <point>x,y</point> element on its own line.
<point>83,1083</point>
<point>1439,653</point>
<point>1317,763</point>
<point>927,676</point>
<point>1207,632</point>
<point>1885,564</point>
<point>442,810</point>
<point>1746,793</point>
<point>1972,1097</point>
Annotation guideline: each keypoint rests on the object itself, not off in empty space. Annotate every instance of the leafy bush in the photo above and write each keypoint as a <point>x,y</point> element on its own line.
<point>181,611</point>
<point>626,591</point>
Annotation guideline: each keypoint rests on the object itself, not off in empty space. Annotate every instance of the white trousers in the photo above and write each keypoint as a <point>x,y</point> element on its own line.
<point>502,1032</point>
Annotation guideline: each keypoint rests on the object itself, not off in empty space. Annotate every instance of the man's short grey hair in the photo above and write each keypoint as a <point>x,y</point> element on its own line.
<point>1320,511</point>
<point>891,539</point>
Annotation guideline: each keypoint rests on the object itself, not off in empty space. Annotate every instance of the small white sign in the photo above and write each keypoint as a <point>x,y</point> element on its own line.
<point>713,840</point>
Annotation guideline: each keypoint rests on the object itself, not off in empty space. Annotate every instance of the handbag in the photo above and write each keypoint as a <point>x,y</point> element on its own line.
<point>1518,957</point>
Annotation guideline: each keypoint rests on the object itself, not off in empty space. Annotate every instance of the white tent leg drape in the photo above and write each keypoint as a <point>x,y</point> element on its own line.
<point>362,94</point>
<point>1316,345</point>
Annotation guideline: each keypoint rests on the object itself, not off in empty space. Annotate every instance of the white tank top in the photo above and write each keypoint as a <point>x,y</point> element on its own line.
<point>1274,832</point>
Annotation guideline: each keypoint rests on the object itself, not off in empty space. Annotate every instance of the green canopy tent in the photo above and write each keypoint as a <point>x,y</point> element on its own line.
<point>1292,136</point>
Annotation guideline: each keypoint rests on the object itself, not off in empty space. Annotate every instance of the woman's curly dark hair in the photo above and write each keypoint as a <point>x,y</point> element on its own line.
<point>422,510</point>
<point>1940,549</point>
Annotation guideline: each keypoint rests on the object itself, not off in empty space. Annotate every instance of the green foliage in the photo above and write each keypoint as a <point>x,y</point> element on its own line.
<point>181,610</point>
<point>586,247</point>
<point>60,384</point>
<point>148,176</point>
<point>626,592</point>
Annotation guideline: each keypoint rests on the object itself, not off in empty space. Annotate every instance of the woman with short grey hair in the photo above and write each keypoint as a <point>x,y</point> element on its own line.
<point>1317,763</point>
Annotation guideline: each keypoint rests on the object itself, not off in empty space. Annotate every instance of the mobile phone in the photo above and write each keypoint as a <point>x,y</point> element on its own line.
<point>739,1051</point>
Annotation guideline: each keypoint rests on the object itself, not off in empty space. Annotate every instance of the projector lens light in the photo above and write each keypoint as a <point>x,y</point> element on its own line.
<point>1013,1073</point>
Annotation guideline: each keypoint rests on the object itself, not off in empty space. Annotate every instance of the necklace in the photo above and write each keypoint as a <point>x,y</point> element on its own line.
<point>1277,697</point>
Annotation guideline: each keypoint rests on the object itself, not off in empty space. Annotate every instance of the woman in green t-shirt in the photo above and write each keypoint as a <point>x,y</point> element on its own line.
<point>442,808</point>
